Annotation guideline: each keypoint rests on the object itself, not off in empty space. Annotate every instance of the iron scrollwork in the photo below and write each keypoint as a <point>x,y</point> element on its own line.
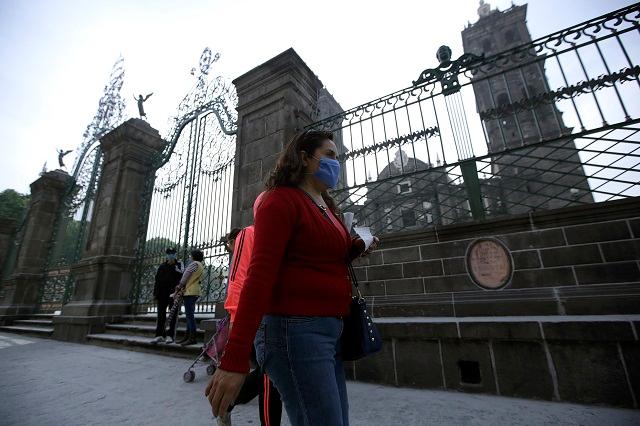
<point>71,225</point>
<point>186,198</point>
<point>614,23</point>
<point>532,157</point>
<point>213,96</point>
<point>398,142</point>
<point>110,114</point>
<point>550,97</point>
<point>447,71</point>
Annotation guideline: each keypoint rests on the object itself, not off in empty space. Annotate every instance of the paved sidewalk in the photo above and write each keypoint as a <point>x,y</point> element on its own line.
<point>46,382</point>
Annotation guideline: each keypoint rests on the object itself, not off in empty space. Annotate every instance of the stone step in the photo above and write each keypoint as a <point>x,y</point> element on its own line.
<point>181,321</point>
<point>42,316</point>
<point>143,344</point>
<point>28,330</point>
<point>144,329</point>
<point>35,322</point>
<point>147,318</point>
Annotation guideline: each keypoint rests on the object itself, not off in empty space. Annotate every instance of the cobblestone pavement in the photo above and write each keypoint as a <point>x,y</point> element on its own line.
<point>47,382</point>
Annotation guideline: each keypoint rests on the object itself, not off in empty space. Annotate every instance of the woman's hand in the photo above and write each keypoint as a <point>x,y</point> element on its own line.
<point>223,389</point>
<point>372,247</point>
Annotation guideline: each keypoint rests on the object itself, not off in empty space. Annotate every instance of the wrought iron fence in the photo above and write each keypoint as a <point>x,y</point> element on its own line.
<point>544,124</point>
<point>188,196</point>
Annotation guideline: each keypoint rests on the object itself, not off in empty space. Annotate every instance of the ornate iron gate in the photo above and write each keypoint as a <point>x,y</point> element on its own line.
<point>188,198</point>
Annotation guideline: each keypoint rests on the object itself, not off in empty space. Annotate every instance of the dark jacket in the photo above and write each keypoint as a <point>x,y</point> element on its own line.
<point>167,278</point>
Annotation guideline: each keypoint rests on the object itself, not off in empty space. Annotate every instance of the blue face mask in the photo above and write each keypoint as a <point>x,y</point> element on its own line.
<point>329,171</point>
<point>171,257</point>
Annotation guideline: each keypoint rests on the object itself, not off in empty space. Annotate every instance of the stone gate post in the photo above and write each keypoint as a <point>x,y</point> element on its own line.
<point>104,275</point>
<point>275,100</point>
<point>7,235</point>
<point>22,287</point>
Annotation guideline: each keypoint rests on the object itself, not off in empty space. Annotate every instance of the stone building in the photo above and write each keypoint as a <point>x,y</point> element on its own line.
<point>410,194</point>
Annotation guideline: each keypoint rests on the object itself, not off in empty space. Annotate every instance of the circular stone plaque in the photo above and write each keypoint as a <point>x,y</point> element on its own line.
<point>489,263</point>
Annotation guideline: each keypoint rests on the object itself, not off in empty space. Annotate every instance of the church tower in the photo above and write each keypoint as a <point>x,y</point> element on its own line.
<point>547,177</point>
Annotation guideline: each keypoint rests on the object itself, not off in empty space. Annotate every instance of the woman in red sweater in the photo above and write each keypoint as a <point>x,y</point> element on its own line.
<point>297,290</point>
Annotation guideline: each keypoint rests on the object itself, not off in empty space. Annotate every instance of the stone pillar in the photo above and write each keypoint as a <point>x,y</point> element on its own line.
<point>22,287</point>
<point>104,275</point>
<point>275,101</point>
<point>7,229</point>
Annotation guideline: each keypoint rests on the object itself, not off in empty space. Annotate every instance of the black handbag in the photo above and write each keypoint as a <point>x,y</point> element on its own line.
<point>360,336</point>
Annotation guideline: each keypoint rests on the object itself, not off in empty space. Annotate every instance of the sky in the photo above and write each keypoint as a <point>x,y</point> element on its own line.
<point>56,55</point>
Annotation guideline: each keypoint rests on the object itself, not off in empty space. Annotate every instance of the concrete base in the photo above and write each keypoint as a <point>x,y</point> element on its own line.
<point>80,318</point>
<point>21,294</point>
<point>93,308</point>
<point>76,328</point>
<point>584,359</point>
<point>17,310</point>
<point>143,344</point>
<point>96,301</point>
<point>8,319</point>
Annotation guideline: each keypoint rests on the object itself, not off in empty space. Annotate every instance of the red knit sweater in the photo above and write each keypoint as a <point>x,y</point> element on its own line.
<point>298,267</point>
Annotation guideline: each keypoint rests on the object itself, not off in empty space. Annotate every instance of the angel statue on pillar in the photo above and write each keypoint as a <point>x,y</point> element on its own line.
<point>141,100</point>
<point>61,155</point>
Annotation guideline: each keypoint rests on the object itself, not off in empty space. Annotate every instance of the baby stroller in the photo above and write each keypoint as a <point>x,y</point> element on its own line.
<point>213,349</point>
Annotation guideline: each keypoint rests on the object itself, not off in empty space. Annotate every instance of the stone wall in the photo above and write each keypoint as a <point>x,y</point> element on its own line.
<point>7,228</point>
<point>564,328</point>
<point>572,261</point>
<point>587,359</point>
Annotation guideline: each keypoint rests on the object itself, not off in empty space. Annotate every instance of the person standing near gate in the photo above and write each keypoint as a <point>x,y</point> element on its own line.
<point>167,278</point>
<point>190,284</point>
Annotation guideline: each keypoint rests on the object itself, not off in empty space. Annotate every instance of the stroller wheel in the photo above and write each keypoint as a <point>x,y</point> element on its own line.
<point>189,376</point>
<point>211,369</point>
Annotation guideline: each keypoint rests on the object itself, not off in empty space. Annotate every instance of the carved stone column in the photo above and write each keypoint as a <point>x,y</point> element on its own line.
<point>275,101</point>
<point>7,229</point>
<point>104,276</point>
<point>22,287</point>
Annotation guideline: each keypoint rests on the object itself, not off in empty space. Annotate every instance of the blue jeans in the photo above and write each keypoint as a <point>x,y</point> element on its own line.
<point>301,355</point>
<point>190,312</point>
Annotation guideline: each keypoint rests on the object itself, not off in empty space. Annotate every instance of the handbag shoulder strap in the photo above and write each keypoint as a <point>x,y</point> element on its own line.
<point>352,275</point>
<point>354,279</point>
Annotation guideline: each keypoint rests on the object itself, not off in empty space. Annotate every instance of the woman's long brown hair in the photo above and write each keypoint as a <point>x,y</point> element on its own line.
<point>289,170</point>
